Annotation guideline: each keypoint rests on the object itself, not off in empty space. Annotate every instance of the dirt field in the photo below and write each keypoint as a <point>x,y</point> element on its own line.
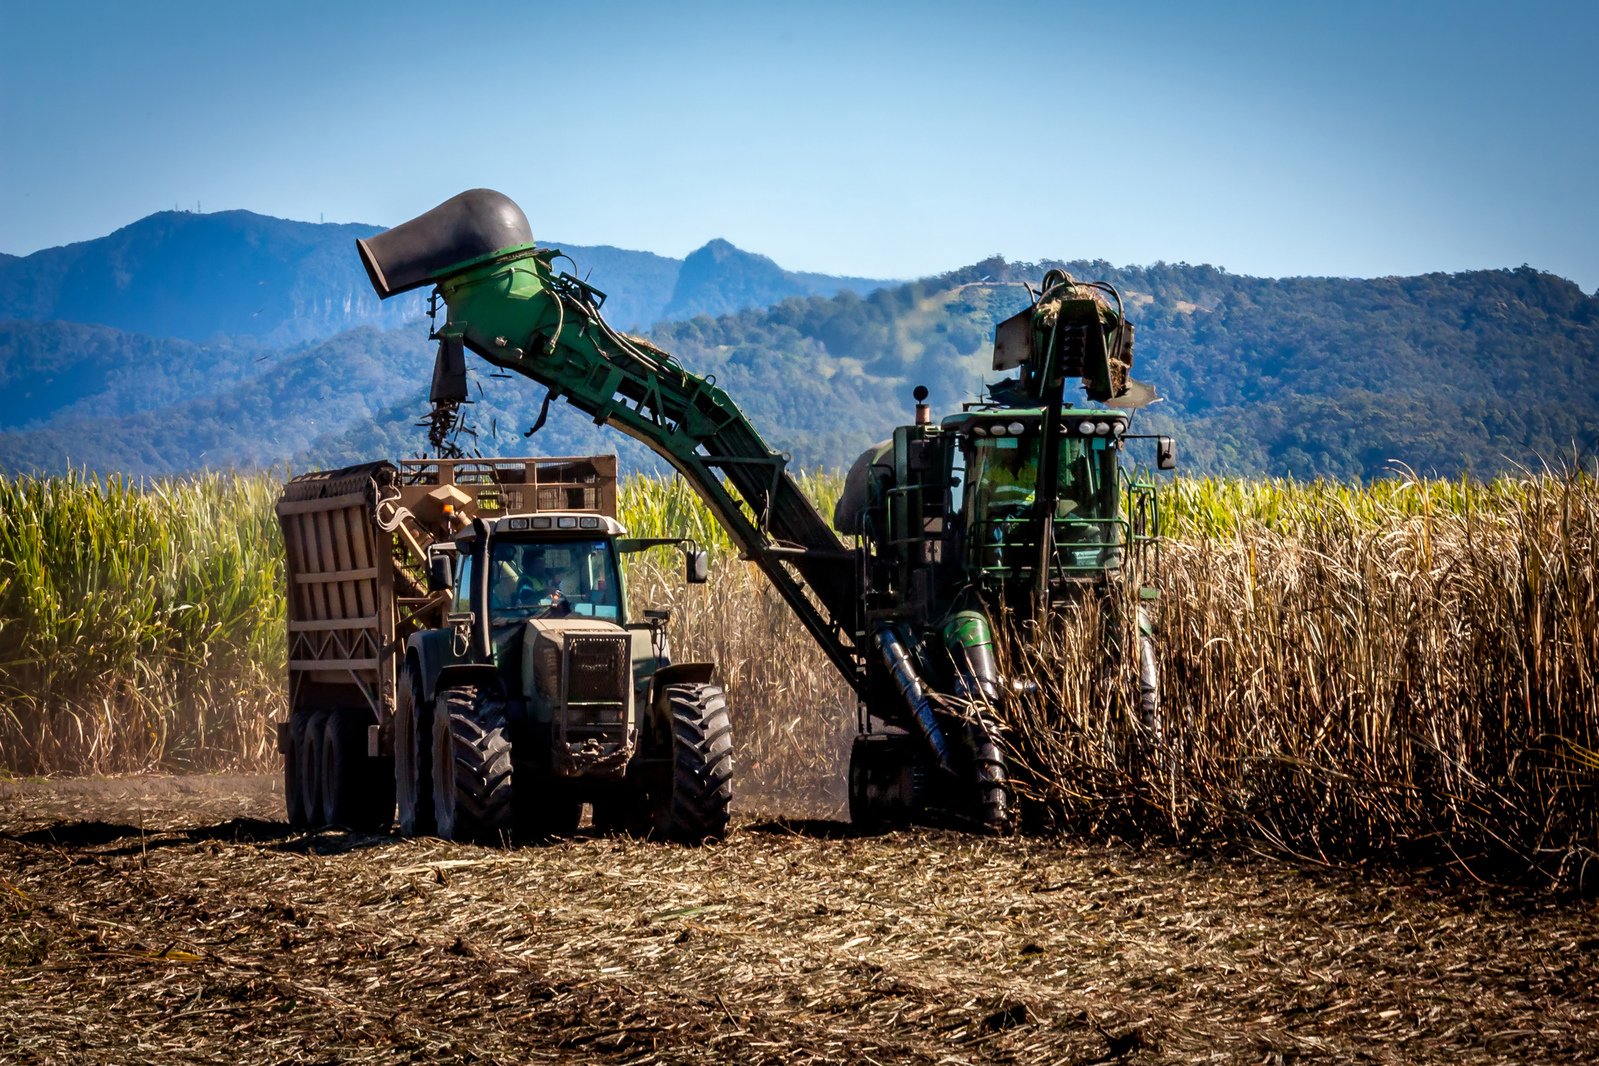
<point>177,920</point>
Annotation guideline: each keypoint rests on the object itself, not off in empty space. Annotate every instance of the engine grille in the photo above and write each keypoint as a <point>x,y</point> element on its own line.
<point>597,669</point>
<point>593,736</point>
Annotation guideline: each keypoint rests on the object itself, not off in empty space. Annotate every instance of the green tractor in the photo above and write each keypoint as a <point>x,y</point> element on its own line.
<point>462,648</point>
<point>540,679</point>
<point>1008,509</point>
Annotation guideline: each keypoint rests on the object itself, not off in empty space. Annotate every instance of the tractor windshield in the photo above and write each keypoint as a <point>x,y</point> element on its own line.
<point>1002,486</point>
<point>553,579</point>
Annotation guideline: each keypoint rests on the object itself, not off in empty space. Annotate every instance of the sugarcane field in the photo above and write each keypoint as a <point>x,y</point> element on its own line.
<point>157,905</point>
<point>819,637</point>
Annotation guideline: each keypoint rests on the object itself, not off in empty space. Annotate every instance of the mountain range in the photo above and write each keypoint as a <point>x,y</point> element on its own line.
<point>236,274</point>
<point>185,341</point>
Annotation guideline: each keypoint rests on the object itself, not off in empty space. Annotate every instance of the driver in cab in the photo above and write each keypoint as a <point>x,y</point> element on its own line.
<point>522,579</point>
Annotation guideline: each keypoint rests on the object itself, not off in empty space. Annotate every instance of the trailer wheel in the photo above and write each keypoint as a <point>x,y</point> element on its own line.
<point>308,751</point>
<point>293,788</point>
<point>693,806</point>
<point>991,777</point>
<point>355,787</point>
<point>413,758</point>
<point>471,766</point>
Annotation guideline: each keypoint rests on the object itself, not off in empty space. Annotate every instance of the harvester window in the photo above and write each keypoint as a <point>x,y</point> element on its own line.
<point>1002,485</point>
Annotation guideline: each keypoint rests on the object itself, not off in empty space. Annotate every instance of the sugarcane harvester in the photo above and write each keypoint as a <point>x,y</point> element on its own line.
<point>905,612</point>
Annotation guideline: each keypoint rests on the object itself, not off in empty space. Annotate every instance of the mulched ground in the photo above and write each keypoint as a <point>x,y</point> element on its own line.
<point>177,920</point>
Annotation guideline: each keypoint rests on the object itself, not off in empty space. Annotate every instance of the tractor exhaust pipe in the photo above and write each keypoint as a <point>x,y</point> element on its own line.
<point>456,234</point>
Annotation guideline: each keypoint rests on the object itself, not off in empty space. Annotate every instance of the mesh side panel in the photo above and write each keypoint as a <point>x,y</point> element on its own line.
<point>547,669</point>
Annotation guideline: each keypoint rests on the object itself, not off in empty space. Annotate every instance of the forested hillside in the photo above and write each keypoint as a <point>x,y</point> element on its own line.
<point>1306,377</point>
<point>1301,376</point>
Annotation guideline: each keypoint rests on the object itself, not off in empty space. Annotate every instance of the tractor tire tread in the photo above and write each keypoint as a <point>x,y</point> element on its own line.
<point>480,754</point>
<point>701,792</point>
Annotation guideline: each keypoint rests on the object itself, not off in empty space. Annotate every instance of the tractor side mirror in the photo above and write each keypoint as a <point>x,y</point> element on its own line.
<point>441,573</point>
<point>696,568</point>
<point>1165,453</point>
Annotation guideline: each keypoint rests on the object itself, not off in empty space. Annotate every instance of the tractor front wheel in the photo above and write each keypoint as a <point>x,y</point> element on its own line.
<point>471,766</point>
<point>693,805</point>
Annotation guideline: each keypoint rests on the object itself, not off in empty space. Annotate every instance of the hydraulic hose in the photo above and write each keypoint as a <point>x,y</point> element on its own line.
<point>912,689</point>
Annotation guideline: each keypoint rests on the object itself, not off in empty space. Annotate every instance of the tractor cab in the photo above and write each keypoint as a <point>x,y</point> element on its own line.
<point>536,570</point>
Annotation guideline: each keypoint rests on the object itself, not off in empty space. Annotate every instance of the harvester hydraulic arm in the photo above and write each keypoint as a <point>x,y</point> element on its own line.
<point>507,303</point>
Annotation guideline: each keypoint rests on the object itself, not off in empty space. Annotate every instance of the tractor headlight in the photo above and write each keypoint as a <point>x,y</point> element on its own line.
<point>1016,429</point>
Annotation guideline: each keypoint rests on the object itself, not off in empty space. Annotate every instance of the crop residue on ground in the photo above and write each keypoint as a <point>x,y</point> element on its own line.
<point>178,919</point>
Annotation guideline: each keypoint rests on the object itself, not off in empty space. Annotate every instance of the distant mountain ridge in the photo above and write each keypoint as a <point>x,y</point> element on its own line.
<point>720,279</point>
<point>186,341</point>
<point>1482,372</point>
<point>238,274</point>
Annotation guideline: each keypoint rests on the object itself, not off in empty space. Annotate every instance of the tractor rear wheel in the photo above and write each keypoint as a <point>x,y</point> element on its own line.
<point>693,806</point>
<point>471,766</point>
<point>356,790</point>
<point>413,758</point>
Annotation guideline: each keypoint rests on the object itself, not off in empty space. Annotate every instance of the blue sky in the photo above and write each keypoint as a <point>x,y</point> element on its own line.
<point>879,139</point>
